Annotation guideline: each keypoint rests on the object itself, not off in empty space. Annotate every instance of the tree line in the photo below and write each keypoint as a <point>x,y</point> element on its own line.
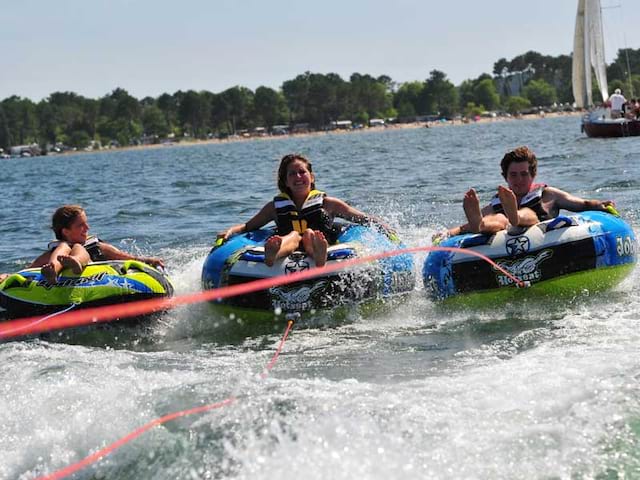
<point>311,99</point>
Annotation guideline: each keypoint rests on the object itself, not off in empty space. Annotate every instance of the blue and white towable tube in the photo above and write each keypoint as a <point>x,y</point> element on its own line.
<point>588,251</point>
<point>241,259</point>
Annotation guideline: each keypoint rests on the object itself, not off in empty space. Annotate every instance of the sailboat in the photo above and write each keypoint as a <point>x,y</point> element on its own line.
<point>588,53</point>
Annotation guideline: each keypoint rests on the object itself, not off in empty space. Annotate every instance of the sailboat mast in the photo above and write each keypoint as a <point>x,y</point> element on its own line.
<point>626,51</point>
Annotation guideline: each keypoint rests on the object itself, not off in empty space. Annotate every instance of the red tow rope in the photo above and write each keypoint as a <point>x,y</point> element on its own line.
<point>87,316</point>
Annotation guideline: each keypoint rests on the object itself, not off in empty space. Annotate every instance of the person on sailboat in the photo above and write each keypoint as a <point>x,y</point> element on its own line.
<point>617,102</point>
<point>523,203</point>
<point>633,109</point>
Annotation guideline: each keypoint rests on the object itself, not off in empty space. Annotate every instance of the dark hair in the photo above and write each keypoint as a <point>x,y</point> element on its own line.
<point>282,170</point>
<point>63,217</point>
<point>520,154</point>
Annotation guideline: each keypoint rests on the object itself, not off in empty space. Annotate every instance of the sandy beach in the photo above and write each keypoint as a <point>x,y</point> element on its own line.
<point>393,126</point>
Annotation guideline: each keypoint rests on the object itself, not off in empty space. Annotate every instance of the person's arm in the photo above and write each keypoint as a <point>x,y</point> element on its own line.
<point>41,260</point>
<point>562,199</point>
<point>264,216</point>
<point>339,208</point>
<point>112,253</point>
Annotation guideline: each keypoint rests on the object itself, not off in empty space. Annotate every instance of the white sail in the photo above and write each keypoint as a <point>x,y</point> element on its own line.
<point>596,46</point>
<point>578,70</point>
<point>588,51</point>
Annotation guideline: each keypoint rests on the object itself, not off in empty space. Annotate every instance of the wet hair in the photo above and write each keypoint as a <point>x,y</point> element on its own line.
<point>520,154</point>
<point>282,170</point>
<point>63,217</point>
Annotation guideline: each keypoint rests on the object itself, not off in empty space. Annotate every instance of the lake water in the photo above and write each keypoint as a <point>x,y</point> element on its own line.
<point>544,390</point>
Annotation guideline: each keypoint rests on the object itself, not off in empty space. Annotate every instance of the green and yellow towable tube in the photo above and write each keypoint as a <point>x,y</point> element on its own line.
<point>27,293</point>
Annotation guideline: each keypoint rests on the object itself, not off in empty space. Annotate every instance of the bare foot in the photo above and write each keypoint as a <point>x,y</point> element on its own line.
<point>3,277</point>
<point>320,246</point>
<point>68,261</point>
<point>509,204</point>
<point>49,273</point>
<point>471,205</point>
<point>271,249</point>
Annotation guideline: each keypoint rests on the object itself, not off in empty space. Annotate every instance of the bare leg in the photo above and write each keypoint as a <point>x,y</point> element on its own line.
<point>510,205</point>
<point>50,271</point>
<point>527,217</point>
<point>471,205</point>
<point>3,276</point>
<point>320,246</point>
<point>71,263</point>
<point>271,247</point>
<point>493,223</point>
<point>316,245</point>
<point>76,260</point>
<point>52,267</point>
<point>278,247</point>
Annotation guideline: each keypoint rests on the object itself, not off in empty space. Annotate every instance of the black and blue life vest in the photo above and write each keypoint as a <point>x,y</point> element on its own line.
<point>312,215</point>
<point>532,200</point>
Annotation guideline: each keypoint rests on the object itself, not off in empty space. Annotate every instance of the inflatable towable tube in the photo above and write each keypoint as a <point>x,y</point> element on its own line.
<point>588,251</point>
<point>27,293</point>
<point>241,259</point>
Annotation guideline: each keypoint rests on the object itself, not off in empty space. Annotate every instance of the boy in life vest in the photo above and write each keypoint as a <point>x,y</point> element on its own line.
<point>523,203</point>
<point>303,215</point>
<point>74,248</point>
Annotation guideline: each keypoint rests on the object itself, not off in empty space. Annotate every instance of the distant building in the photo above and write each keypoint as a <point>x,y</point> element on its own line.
<point>25,150</point>
<point>342,124</point>
<point>510,84</point>
<point>279,129</point>
<point>376,122</point>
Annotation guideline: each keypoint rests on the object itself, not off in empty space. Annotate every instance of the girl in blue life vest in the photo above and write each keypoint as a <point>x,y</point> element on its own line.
<point>302,214</point>
<point>74,248</point>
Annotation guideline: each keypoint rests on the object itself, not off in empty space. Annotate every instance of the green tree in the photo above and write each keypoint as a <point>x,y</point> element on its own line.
<point>370,95</point>
<point>407,99</point>
<point>79,139</point>
<point>619,70</point>
<point>237,103</point>
<point>517,104</point>
<point>500,65</point>
<point>485,94</point>
<point>270,106</point>
<point>194,113</point>
<point>439,96</point>
<point>154,121</point>
<point>169,106</point>
<point>5,134</point>
<point>471,110</point>
<point>21,118</point>
<point>539,93</point>
<point>66,112</point>
<point>296,92</point>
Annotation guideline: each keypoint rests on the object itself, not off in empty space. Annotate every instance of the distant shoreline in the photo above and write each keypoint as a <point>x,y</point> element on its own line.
<point>396,126</point>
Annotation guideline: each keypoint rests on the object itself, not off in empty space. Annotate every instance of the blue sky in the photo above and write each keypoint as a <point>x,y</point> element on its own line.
<point>151,47</point>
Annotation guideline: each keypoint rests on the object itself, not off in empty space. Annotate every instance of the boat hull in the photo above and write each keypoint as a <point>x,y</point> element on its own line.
<point>611,128</point>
